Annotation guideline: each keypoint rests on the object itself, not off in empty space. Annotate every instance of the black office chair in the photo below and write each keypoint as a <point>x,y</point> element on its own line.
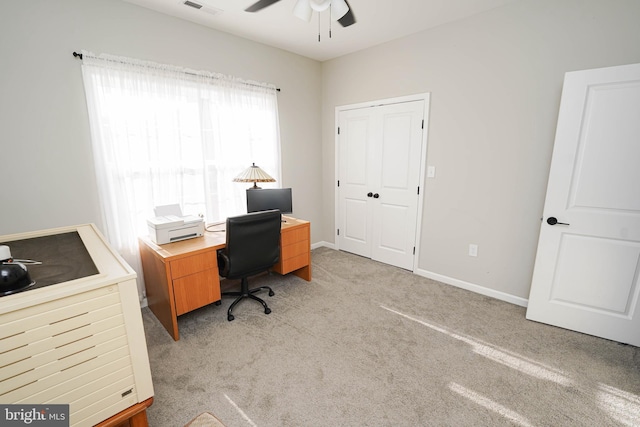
<point>253,246</point>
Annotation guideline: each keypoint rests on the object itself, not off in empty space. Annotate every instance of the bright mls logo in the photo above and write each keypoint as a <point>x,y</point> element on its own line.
<point>34,415</point>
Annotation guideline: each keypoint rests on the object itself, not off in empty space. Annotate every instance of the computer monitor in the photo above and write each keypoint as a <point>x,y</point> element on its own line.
<point>269,198</point>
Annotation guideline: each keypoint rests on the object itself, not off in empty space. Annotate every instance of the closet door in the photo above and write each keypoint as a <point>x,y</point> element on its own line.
<point>356,142</point>
<point>380,152</point>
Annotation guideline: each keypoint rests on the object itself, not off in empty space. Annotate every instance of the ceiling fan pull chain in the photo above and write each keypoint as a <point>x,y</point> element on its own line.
<point>329,21</point>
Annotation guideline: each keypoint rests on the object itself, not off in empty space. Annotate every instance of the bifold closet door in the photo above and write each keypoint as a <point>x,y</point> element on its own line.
<point>379,173</point>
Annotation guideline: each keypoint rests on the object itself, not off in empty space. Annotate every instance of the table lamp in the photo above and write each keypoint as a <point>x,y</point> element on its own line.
<point>254,174</point>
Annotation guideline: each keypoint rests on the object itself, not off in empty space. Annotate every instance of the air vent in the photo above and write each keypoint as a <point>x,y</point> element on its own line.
<point>192,4</point>
<point>201,6</point>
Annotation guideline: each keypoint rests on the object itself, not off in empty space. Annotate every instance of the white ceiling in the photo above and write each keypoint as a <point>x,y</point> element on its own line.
<point>377,21</point>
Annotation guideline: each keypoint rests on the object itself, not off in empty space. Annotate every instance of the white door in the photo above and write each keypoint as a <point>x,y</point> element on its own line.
<point>355,219</point>
<point>380,152</point>
<point>587,271</point>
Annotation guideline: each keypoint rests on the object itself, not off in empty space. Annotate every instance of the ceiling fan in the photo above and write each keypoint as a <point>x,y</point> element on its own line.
<point>340,9</point>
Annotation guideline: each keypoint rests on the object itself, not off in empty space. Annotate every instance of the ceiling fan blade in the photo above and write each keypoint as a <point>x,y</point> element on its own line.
<point>260,4</point>
<point>349,18</point>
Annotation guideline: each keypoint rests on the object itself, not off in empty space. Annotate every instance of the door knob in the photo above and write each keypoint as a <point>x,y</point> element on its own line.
<point>375,196</point>
<point>552,220</point>
<point>369,194</point>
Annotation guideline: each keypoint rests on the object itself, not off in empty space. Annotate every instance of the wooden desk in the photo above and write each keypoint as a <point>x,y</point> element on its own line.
<point>183,276</point>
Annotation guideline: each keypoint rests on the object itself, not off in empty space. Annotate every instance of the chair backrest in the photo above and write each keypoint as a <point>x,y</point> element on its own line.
<point>253,242</point>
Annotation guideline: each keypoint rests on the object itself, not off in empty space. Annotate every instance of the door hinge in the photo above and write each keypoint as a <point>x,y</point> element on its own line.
<point>338,130</point>
<point>338,231</point>
<point>418,190</point>
<point>414,250</point>
<point>422,123</point>
<point>338,183</point>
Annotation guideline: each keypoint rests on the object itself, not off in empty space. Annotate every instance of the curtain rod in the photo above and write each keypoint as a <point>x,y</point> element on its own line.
<point>79,55</point>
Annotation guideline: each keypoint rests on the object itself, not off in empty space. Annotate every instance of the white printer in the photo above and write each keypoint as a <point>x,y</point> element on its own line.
<point>170,225</point>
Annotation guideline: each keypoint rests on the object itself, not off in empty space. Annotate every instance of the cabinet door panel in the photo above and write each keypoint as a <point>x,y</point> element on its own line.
<point>196,290</point>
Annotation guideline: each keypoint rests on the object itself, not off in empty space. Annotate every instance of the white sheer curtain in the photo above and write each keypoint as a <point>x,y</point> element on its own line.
<point>163,134</point>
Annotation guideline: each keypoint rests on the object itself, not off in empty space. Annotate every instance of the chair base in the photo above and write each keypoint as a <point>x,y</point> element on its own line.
<point>245,292</point>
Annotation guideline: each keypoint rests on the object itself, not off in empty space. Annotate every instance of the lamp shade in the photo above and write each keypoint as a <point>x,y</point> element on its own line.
<point>254,174</point>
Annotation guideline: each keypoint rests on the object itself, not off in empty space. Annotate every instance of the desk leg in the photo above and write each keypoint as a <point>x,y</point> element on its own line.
<point>304,272</point>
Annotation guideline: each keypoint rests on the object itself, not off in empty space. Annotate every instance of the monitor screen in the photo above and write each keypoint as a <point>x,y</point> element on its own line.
<point>270,198</point>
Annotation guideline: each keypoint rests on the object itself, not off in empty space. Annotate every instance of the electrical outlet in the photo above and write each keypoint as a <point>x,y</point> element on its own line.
<point>473,250</point>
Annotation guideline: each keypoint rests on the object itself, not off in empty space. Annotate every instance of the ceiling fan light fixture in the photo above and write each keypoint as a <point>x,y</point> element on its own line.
<point>302,10</point>
<point>319,5</point>
<point>338,9</point>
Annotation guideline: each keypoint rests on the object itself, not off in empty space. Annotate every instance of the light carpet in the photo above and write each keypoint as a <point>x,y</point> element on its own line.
<point>367,344</point>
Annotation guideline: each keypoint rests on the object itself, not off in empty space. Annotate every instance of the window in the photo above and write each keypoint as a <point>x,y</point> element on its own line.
<point>163,135</point>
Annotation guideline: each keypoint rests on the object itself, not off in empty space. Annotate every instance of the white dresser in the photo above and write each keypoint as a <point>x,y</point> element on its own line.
<point>80,342</point>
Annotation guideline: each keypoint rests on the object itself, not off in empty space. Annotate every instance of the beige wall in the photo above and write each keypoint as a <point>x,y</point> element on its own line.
<point>45,142</point>
<point>495,81</point>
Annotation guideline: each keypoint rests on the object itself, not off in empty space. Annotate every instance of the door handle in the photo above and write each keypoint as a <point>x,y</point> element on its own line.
<point>552,220</point>
<point>375,196</point>
<point>369,194</point>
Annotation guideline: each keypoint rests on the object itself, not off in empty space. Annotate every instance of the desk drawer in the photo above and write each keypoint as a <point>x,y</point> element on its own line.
<point>294,249</point>
<point>294,235</point>
<point>196,290</point>
<point>192,264</point>
<point>291,264</point>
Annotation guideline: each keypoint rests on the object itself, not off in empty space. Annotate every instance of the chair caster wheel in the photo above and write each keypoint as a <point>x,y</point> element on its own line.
<point>267,310</point>
<point>230,317</point>
<point>218,303</point>
<point>271,293</point>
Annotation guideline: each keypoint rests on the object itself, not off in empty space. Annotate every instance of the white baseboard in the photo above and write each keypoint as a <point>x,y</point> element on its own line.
<point>473,288</point>
<point>522,302</point>
<point>323,244</point>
